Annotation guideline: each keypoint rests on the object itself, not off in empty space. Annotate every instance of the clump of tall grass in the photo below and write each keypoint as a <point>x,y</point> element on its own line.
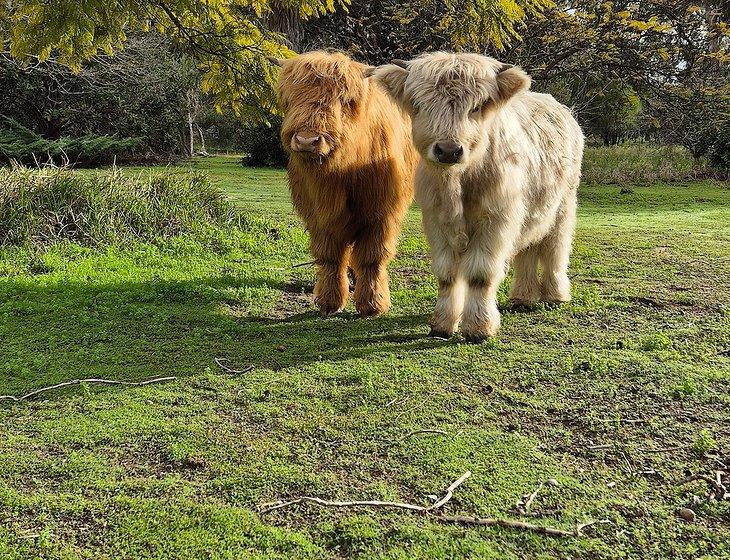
<point>642,163</point>
<point>43,206</point>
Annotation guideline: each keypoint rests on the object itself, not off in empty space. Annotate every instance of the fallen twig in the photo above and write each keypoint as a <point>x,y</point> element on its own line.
<point>370,503</point>
<point>220,364</point>
<point>524,506</point>
<point>80,381</point>
<point>266,508</point>
<point>449,492</point>
<point>428,510</point>
<point>510,523</point>
<point>579,528</point>
<point>308,263</point>
<point>720,490</point>
<point>541,513</point>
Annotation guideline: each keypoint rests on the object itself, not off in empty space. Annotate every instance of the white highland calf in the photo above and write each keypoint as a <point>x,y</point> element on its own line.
<point>497,182</point>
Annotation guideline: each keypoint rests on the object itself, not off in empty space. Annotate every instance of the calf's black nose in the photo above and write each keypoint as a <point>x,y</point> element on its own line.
<point>448,152</point>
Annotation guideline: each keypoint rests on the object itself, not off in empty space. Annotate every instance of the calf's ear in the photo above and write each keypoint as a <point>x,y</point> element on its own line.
<point>511,80</point>
<point>392,77</point>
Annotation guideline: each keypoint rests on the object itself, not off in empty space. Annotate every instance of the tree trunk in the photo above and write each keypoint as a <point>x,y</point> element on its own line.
<point>203,150</point>
<point>191,133</point>
<point>285,21</point>
<point>712,18</point>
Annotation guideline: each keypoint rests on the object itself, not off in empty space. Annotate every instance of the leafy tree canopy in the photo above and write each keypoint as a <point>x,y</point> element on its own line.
<point>228,38</point>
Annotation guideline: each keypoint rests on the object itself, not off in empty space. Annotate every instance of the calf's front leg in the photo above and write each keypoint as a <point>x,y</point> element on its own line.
<point>370,257</point>
<point>446,257</point>
<point>332,286</point>
<point>484,267</point>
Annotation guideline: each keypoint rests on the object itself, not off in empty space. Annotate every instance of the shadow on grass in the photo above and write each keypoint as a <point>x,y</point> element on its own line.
<point>134,330</point>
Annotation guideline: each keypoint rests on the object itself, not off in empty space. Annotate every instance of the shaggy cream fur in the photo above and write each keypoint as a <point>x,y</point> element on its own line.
<point>511,196</point>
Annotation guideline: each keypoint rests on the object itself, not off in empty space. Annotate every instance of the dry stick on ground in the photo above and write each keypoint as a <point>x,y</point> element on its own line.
<point>510,523</point>
<point>542,513</point>
<point>718,487</point>
<point>220,364</point>
<point>372,503</point>
<point>525,507</point>
<point>80,381</point>
<point>428,510</point>
<point>308,263</point>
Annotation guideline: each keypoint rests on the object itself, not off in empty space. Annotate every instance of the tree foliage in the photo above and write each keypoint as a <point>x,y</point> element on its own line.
<point>140,92</point>
<point>383,29</point>
<point>673,53</point>
<point>228,38</point>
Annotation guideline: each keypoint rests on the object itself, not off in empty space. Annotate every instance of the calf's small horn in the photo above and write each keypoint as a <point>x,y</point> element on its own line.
<point>275,61</point>
<point>504,67</point>
<point>401,63</point>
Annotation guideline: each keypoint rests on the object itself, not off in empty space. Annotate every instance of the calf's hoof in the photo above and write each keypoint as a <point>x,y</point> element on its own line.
<point>555,291</point>
<point>372,305</point>
<point>476,334</point>
<point>522,304</point>
<point>329,307</point>
<point>475,338</point>
<point>369,310</point>
<point>436,333</point>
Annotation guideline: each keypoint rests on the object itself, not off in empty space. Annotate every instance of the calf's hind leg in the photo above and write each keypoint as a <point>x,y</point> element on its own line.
<point>554,251</point>
<point>526,285</point>
<point>332,286</point>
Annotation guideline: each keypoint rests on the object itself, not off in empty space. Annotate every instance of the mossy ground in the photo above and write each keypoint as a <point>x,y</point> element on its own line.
<point>585,393</point>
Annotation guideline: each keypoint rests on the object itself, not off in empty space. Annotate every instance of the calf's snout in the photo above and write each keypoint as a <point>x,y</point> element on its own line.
<point>306,142</point>
<point>447,151</point>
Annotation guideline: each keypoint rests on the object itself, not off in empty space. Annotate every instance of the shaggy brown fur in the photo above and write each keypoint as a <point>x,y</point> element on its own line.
<point>353,181</point>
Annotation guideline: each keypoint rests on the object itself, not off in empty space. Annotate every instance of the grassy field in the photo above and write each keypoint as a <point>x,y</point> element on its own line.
<point>618,396</point>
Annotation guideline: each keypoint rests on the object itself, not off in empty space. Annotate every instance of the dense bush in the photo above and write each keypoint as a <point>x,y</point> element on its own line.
<point>138,93</point>
<point>42,206</point>
<point>262,146</point>
<point>719,152</point>
<point>20,144</point>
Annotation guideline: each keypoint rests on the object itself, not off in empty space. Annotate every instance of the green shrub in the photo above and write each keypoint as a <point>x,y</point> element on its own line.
<point>642,163</point>
<point>262,146</point>
<point>20,144</point>
<point>719,153</point>
<point>42,206</point>
<point>704,443</point>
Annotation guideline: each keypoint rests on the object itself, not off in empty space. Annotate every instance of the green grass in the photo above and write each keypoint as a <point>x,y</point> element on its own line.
<point>583,393</point>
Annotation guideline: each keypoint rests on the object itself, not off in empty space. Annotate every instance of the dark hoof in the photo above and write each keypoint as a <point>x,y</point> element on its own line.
<point>441,335</point>
<point>366,313</point>
<point>329,310</point>
<point>519,305</point>
<point>475,339</point>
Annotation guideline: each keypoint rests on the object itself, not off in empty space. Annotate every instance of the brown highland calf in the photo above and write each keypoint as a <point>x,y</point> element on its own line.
<point>351,170</point>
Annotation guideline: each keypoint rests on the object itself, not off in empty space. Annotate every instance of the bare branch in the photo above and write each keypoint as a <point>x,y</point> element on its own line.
<point>220,364</point>
<point>428,510</point>
<point>80,381</point>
